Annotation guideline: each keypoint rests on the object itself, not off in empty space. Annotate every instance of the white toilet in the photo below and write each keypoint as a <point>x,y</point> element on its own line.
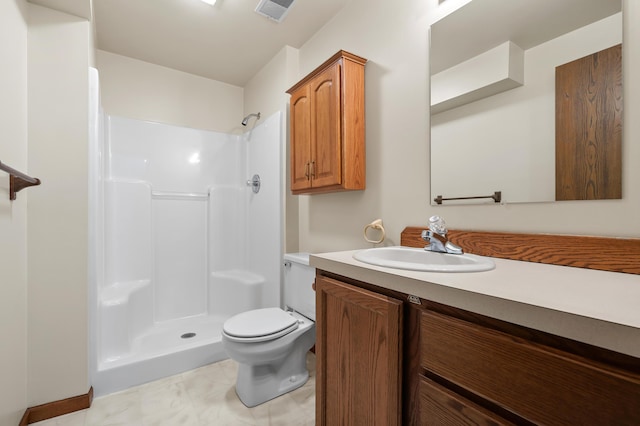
<point>271,344</point>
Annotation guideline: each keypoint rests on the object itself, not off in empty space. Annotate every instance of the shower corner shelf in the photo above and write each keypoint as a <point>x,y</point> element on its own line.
<point>18,180</point>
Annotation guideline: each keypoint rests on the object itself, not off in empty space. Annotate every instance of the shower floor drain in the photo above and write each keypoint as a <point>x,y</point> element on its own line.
<point>188,335</point>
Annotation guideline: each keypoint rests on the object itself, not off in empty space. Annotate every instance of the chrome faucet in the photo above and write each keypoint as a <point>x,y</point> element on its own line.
<point>436,236</point>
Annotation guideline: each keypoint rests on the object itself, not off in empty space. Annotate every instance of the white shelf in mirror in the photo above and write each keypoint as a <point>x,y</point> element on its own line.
<point>491,72</point>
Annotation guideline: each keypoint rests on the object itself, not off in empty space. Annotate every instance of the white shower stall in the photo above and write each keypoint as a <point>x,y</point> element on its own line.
<point>180,241</point>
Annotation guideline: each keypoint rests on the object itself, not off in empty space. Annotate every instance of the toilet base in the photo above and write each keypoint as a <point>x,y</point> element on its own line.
<point>259,383</point>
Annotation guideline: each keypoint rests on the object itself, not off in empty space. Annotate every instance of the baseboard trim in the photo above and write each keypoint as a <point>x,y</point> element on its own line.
<point>57,408</point>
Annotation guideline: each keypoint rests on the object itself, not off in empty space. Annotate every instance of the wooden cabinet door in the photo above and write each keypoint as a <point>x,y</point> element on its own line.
<point>326,145</point>
<point>358,351</point>
<point>328,127</point>
<point>300,111</point>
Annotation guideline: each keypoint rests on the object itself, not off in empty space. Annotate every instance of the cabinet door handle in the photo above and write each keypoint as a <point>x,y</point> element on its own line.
<point>306,170</point>
<point>313,169</point>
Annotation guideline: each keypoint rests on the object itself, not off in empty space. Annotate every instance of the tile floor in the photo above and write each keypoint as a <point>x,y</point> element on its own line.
<point>202,397</point>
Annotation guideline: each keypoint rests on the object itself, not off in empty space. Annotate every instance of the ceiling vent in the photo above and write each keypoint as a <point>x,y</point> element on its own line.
<point>274,9</point>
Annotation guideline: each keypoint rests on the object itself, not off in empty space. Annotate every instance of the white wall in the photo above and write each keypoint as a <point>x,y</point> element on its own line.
<point>394,40</point>
<point>13,214</point>
<point>58,55</point>
<point>265,92</point>
<point>397,131</point>
<point>135,89</point>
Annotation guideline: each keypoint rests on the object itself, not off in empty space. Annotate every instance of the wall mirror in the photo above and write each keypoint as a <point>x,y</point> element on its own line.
<point>493,93</point>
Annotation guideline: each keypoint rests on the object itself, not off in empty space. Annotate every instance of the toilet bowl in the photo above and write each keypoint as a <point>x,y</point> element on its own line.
<point>271,344</point>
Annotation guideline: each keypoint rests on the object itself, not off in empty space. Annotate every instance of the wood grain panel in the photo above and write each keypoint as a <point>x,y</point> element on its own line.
<point>584,350</point>
<point>410,346</point>
<point>441,407</point>
<point>56,408</point>
<point>412,370</point>
<point>411,363</point>
<point>353,125</point>
<point>300,125</point>
<point>606,254</point>
<point>589,127</point>
<point>358,351</point>
<point>537,383</point>
<point>326,166</point>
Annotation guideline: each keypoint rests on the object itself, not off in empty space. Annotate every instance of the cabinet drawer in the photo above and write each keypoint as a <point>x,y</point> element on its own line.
<point>538,383</point>
<point>442,407</point>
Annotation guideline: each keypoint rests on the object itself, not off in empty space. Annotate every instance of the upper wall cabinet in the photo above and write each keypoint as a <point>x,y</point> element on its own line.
<point>327,127</point>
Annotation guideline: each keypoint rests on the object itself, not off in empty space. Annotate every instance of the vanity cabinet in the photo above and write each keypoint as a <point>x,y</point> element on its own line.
<point>520,378</point>
<point>358,354</point>
<point>457,367</point>
<point>327,127</point>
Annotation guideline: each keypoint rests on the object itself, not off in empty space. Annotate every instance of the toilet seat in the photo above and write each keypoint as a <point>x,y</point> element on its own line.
<point>259,325</point>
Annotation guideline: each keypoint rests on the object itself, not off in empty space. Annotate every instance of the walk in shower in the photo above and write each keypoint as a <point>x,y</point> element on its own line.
<point>180,242</point>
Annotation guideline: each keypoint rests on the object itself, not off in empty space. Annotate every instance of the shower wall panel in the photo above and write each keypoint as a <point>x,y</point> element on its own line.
<point>171,158</point>
<point>127,232</point>
<point>228,223</point>
<point>176,209</point>
<point>265,220</point>
<point>180,242</point>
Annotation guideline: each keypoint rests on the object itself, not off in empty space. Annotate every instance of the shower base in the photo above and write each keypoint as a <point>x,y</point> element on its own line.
<point>168,348</point>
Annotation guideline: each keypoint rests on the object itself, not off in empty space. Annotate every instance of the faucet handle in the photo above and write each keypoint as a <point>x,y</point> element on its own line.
<point>437,225</point>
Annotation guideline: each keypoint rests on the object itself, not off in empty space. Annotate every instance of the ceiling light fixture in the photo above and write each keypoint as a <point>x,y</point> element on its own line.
<point>211,2</point>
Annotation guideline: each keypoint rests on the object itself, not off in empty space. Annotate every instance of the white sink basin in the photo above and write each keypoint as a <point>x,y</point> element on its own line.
<point>417,259</point>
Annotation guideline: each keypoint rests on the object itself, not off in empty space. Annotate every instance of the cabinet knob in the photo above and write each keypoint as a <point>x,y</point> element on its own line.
<point>306,170</point>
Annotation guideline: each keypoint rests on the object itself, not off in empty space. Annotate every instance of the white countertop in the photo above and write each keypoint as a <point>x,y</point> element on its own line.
<point>597,307</point>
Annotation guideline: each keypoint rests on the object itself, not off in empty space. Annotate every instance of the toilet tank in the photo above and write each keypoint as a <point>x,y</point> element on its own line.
<point>298,280</point>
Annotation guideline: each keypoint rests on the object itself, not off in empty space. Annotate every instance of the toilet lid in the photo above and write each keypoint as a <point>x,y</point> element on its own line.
<point>260,324</point>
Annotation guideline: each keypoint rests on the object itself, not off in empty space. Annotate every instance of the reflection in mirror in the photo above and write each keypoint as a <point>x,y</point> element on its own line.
<point>493,94</point>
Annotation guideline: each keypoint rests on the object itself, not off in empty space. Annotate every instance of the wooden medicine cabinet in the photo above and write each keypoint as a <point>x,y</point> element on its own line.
<point>327,123</point>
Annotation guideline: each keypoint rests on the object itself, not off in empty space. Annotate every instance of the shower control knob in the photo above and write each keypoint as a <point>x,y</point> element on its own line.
<point>254,183</point>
